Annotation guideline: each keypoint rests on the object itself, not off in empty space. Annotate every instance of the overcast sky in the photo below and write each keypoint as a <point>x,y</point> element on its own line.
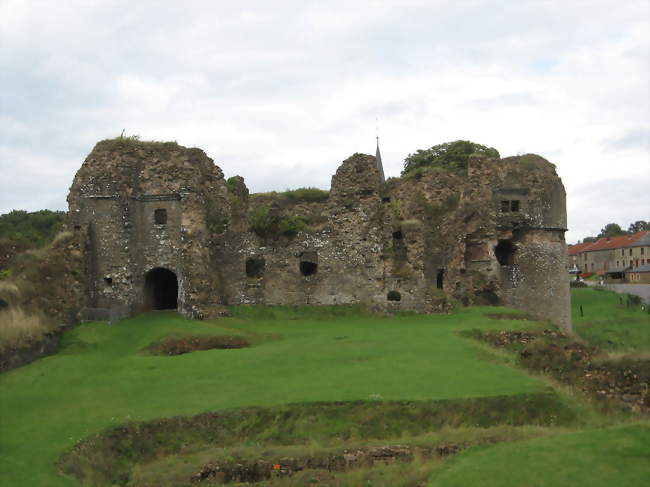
<point>281,92</point>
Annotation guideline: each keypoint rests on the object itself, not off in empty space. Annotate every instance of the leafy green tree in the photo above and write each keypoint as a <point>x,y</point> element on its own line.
<point>589,239</point>
<point>33,229</point>
<point>450,155</point>
<point>611,230</point>
<point>638,226</point>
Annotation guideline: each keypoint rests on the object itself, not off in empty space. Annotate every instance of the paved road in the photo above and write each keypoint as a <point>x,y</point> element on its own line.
<point>642,290</point>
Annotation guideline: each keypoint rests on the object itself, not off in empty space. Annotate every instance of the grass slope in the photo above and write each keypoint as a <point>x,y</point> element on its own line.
<point>101,379</point>
<point>596,458</point>
<point>607,323</point>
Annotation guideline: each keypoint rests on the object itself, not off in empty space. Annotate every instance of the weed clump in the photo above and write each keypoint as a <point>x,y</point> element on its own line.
<point>180,346</point>
<point>19,329</point>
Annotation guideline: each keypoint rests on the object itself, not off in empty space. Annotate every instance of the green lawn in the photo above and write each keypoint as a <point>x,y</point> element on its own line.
<point>598,458</point>
<point>100,378</point>
<point>607,323</point>
<point>315,355</point>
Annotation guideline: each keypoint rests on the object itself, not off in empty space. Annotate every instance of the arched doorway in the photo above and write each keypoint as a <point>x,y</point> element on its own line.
<point>160,289</point>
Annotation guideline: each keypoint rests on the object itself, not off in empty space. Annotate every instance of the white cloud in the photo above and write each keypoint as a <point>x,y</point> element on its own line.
<point>281,92</point>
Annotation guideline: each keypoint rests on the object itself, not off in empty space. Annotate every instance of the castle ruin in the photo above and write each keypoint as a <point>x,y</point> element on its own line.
<point>161,228</point>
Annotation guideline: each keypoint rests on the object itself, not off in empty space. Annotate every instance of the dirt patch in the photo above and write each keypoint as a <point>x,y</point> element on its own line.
<point>235,471</point>
<point>179,346</point>
<point>624,380</point>
<point>47,345</point>
<point>510,316</point>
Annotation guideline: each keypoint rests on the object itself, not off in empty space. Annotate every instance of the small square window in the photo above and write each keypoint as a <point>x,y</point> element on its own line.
<point>505,206</point>
<point>514,205</point>
<point>160,216</point>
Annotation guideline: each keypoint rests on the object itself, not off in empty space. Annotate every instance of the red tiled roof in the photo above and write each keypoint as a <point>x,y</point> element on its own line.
<point>577,248</point>
<point>607,243</point>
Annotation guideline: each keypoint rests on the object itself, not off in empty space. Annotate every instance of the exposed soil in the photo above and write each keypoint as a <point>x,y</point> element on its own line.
<point>510,316</point>
<point>235,471</point>
<point>624,381</point>
<point>179,346</point>
<point>13,358</point>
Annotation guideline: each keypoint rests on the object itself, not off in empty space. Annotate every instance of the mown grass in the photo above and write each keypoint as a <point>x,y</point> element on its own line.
<point>608,323</point>
<point>101,378</point>
<point>308,357</point>
<point>597,458</point>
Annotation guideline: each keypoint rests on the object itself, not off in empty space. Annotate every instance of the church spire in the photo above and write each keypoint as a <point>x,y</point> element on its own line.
<point>380,166</point>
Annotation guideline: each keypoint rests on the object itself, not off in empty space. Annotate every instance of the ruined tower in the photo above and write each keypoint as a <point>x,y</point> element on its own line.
<point>144,211</point>
<point>162,229</point>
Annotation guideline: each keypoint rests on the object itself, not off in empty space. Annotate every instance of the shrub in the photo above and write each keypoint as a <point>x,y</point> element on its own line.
<point>291,225</point>
<point>269,226</point>
<point>18,329</point>
<point>261,221</point>
<point>233,183</point>
<point>575,284</point>
<point>452,156</point>
<point>306,194</point>
<point>33,229</point>
<point>216,223</point>
<point>634,300</point>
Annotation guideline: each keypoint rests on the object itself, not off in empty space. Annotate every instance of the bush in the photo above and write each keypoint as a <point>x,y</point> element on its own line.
<point>261,221</point>
<point>306,194</point>
<point>452,156</point>
<point>291,225</point>
<point>575,284</point>
<point>268,226</point>
<point>634,300</point>
<point>18,329</point>
<point>34,229</point>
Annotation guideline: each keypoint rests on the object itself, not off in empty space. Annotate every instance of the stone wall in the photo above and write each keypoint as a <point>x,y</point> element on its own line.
<point>492,235</point>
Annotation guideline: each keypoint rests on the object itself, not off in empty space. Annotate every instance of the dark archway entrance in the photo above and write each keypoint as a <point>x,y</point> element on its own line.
<point>160,289</point>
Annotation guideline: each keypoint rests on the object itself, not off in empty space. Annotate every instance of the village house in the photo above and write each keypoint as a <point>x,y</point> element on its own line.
<point>612,257</point>
<point>639,275</point>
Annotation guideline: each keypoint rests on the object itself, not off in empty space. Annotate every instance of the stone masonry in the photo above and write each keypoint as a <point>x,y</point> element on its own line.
<point>162,228</point>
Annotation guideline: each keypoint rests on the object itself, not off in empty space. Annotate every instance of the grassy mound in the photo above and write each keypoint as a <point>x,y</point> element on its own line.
<point>597,458</point>
<point>108,458</point>
<point>318,380</point>
<point>100,378</point>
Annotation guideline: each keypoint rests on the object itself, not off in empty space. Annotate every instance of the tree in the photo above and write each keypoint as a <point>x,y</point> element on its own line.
<point>611,230</point>
<point>450,155</point>
<point>32,229</point>
<point>589,239</point>
<point>638,226</point>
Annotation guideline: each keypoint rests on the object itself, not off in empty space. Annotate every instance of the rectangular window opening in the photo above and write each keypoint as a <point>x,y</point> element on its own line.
<point>440,277</point>
<point>514,205</point>
<point>160,216</point>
